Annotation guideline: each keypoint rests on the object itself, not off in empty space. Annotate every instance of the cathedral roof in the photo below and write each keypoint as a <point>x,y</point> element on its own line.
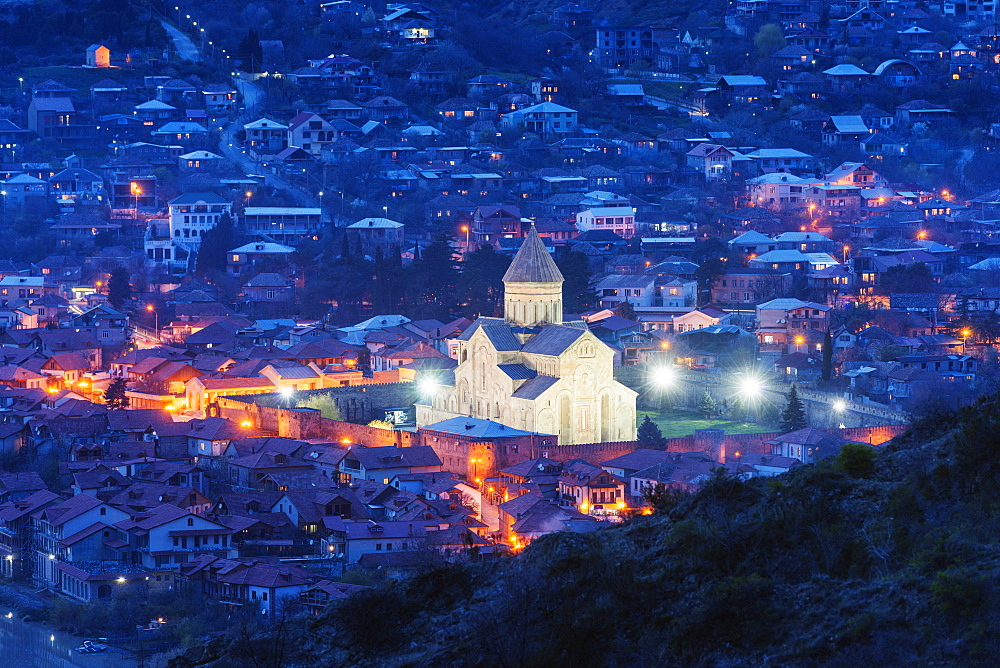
<point>517,371</point>
<point>533,264</point>
<point>553,340</point>
<point>498,332</point>
<point>535,387</point>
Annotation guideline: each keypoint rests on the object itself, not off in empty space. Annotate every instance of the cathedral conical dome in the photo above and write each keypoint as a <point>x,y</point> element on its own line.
<point>533,264</point>
<point>532,285</point>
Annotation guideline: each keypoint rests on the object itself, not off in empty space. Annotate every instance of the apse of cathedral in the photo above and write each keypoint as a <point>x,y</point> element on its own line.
<point>531,370</point>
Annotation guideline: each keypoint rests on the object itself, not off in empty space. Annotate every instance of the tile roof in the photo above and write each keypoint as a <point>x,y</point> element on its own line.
<point>535,387</point>
<point>475,427</point>
<point>533,263</point>
<point>553,340</point>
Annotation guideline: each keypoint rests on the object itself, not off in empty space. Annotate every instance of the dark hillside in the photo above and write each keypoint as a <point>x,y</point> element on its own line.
<point>886,558</point>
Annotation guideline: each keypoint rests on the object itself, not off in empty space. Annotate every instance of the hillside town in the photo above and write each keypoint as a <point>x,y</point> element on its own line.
<point>283,319</point>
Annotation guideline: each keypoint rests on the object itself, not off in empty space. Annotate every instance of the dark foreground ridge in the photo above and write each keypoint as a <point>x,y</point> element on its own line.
<point>885,559</point>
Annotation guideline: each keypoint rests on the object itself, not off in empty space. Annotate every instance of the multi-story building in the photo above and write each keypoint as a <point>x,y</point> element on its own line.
<point>284,224</point>
<point>265,137</point>
<point>781,321</point>
<point>193,214</point>
<point>623,47</point>
<point>617,219</point>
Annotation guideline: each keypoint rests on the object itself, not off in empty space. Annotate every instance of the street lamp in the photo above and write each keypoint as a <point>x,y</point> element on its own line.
<point>248,194</point>
<point>966,333</point>
<point>465,228</point>
<point>156,317</point>
<point>799,340</point>
<point>136,191</point>
<point>846,250</point>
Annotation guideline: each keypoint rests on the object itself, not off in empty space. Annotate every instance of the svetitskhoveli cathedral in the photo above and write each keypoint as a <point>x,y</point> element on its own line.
<point>532,371</point>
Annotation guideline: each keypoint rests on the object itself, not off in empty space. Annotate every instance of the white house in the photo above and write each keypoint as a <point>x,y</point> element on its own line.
<point>193,214</point>
<point>361,538</point>
<point>169,535</point>
<point>57,524</point>
<point>637,289</point>
<point>617,219</point>
<point>543,118</point>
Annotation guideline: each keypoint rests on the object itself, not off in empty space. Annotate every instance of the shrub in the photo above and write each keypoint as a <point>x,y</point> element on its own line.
<point>856,459</point>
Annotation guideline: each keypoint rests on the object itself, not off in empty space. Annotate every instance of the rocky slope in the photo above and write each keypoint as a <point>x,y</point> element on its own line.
<point>887,557</point>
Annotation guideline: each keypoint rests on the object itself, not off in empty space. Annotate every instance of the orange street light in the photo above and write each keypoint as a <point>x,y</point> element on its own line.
<point>246,423</point>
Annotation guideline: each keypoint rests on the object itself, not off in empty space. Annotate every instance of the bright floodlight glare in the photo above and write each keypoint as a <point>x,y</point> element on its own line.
<point>663,376</point>
<point>839,405</point>
<point>287,392</point>
<point>751,387</point>
<point>428,386</point>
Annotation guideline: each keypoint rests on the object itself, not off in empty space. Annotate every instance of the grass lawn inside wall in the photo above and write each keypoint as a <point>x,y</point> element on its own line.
<point>674,423</point>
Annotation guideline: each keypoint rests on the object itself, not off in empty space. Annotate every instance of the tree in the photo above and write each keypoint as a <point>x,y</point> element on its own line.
<point>325,404</point>
<point>649,436</point>
<point>708,406</point>
<point>626,310</point>
<point>481,285</point>
<point>827,372</point>
<point>115,397</point>
<point>250,51</point>
<point>578,289</point>
<point>712,259</point>
<point>434,279</point>
<point>389,281</point>
<point>119,288</point>
<point>793,417</point>
<point>215,243</point>
<point>768,40</point>
<point>910,278</point>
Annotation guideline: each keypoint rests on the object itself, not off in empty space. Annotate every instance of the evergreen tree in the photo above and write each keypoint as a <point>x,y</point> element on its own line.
<point>827,357</point>
<point>578,289</point>
<point>119,288</point>
<point>434,279</point>
<point>708,406</point>
<point>481,285</point>
<point>626,310</point>
<point>794,415</point>
<point>115,397</point>
<point>215,243</point>
<point>250,51</point>
<point>649,436</point>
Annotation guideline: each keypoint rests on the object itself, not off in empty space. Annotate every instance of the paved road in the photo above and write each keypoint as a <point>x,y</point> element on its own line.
<point>253,99</point>
<point>185,47</point>
<point>252,96</point>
